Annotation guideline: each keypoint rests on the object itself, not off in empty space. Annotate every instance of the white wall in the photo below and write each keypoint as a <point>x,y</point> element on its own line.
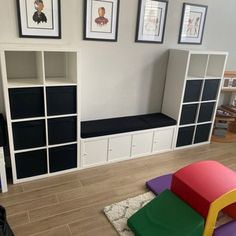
<point>125,78</point>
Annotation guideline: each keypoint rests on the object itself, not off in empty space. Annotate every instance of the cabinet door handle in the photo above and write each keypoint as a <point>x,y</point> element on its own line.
<point>85,154</point>
<point>110,150</point>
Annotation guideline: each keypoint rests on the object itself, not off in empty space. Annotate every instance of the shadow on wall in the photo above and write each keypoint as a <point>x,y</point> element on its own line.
<point>157,83</point>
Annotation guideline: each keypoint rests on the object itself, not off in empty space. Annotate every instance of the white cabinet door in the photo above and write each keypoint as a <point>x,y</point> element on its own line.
<point>163,140</point>
<point>94,152</point>
<point>119,147</point>
<point>142,143</point>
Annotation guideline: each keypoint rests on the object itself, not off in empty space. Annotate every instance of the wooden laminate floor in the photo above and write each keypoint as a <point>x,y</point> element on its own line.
<point>72,204</point>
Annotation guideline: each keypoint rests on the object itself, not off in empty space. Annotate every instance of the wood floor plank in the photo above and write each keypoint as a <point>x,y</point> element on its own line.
<point>60,219</point>
<point>58,231</point>
<point>106,230</point>
<point>39,193</point>
<point>32,204</point>
<point>12,189</point>
<point>72,204</point>
<point>50,182</point>
<point>78,203</point>
<point>18,219</point>
<point>85,225</point>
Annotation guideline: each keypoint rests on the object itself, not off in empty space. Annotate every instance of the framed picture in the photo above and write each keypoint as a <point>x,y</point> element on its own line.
<point>39,18</point>
<point>192,23</point>
<point>151,21</point>
<point>101,20</point>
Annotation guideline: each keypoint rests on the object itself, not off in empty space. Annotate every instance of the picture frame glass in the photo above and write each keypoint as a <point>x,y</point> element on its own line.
<point>151,21</point>
<point>39,18</point>
<point>101,19</point>
<point>192,25</point>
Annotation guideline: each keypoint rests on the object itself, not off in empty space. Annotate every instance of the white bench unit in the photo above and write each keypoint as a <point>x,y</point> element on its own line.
<point>117,147</point>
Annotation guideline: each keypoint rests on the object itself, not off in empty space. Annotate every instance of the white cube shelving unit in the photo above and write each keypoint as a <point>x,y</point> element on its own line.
<point>191,95</point>
<point>41,94</point>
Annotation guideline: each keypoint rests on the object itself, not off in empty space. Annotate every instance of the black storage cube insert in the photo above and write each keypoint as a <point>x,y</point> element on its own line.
<point>63,158</point>
<point>202,133</point>
<point>185,136</point>
<point>188,115</point>
<point>26,102</point>
<point>61,100</point>
<point>211,89</point>
<point>30,164</point>
<point>29,134</point>
<point>62,130</point>
<point>206,112</point>
<point>193,90</point>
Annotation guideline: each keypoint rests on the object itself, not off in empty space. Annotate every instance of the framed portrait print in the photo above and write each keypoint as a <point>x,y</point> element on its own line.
<point>192,24</point>
<point>39,18</point>
<point>151,21</point>
<point>101,20</point>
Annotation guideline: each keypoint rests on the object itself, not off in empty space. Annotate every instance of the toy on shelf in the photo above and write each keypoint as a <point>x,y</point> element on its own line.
<point>206,187</point>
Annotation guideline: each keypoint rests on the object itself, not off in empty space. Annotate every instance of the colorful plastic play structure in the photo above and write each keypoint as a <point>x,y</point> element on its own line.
<point>188,203</point>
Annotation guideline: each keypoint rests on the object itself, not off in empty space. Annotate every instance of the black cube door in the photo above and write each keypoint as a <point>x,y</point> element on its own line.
<point>193,90</point>
<point>30,164</point>
<point>206,112</point>
<point>29,134</point>
<point>63,158</point>
<point>185,136</point>
<point>62,130</point>
<point>202,133</point>
<point>211,88</point>
<point>61,100</point>
<point>188,115</point>
<point>26,102</point>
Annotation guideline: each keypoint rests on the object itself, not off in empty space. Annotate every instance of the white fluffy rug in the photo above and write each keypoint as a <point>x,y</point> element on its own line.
<point>119,213</point>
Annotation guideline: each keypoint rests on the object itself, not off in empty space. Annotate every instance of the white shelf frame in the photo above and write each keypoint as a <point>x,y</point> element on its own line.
<point>7,84</point>
<point>178,70</point>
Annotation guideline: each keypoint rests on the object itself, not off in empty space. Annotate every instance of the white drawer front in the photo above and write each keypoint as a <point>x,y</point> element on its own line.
<point>119,148</point>
<point>163,140</point>
<point>94,152</point>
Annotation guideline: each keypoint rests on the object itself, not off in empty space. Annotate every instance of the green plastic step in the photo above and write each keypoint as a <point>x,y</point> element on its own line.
<point>166,215</point>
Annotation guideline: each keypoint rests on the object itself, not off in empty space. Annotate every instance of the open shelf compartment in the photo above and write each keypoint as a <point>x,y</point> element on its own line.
<point>215,66</point>
<point>197,65</point>
<point>60,68</point>
<point>24,68</point>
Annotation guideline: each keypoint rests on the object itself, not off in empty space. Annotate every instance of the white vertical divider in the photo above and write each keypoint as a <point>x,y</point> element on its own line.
<point>78,102</point>
<point>8,113</point>
<point>40,67</point>
<point>45,110</point>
